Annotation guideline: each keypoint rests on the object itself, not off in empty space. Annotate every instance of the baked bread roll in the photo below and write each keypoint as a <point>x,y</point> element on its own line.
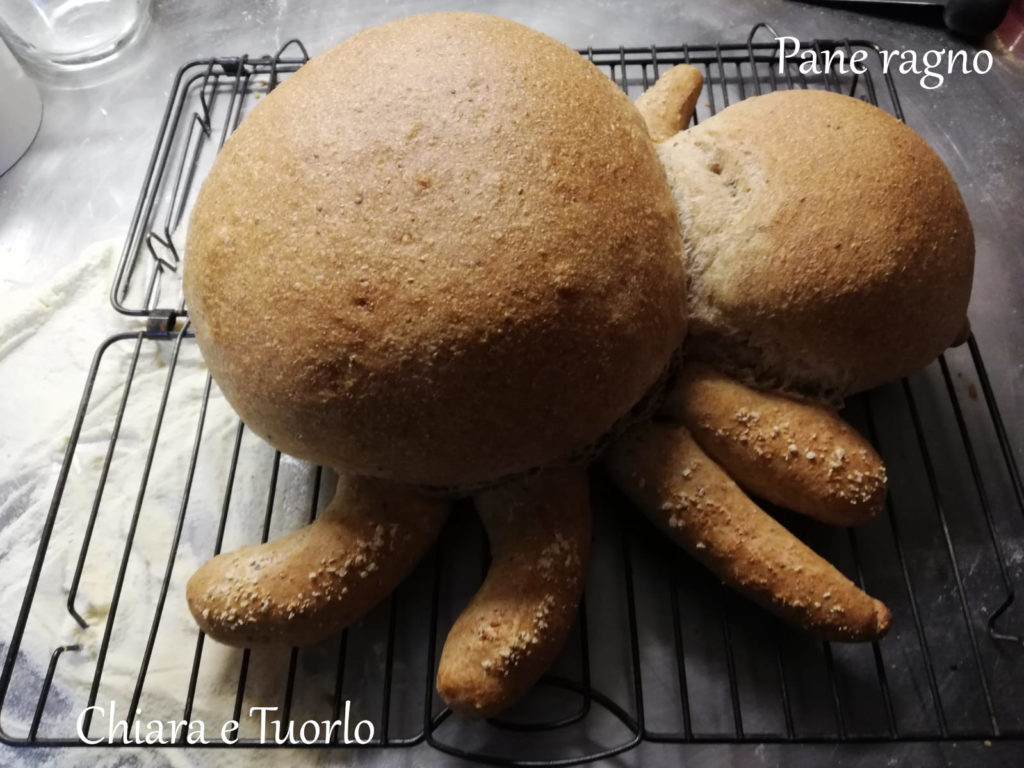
<point>663,470</point>
<point>442,253</point>
<point>519,619</point>
<point>828,248</point>
<point>667,106</point>
<point>798,455</point>
<point>302,587</point>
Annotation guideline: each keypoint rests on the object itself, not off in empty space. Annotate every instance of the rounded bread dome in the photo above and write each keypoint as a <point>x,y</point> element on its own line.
<point>442,252</point>
<point>828,248</point>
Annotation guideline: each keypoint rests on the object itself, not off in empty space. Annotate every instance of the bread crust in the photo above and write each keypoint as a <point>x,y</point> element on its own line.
<point>663,470</point>
<point>667,106</point>
<point>442,252</point>
<point>305,586</point>
<point>828,247</point>
<point>519,619</point>
<point>798,455</point>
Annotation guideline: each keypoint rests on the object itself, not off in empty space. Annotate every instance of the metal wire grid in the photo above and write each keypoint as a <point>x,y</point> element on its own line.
<point>208,99</point>
<point>670,637</point>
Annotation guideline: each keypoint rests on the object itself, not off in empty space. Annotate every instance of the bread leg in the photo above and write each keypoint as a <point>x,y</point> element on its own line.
<point>666,474</point>
<point>798,455</point>
<point>305,586</point>
<point>667,106</point>
<point>515,625</point>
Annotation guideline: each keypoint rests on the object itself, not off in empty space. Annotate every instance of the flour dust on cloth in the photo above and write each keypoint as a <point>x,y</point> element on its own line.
<point>48,336</point>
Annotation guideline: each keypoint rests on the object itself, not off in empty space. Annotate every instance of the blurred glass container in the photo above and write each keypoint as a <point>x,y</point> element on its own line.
<point>21,110</point>
<point>71,34</point>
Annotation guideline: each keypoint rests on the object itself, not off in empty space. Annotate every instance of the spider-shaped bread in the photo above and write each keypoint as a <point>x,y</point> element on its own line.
<point>445,258</point>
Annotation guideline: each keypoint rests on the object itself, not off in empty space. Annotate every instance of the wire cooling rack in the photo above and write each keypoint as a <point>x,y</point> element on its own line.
<point>660,653</point>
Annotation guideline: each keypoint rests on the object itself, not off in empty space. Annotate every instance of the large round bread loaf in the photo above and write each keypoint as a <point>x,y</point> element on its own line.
<point>828,247</point>
<point>442,252</point>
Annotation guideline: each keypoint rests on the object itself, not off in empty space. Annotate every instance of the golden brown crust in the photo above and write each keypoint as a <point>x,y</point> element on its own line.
<point>828,247</point>
<point>518,621</point>
<point>798,455</point>
<point>663,470</point>
<point>442,252</point>
<point>667,106</point>
<point>305,586</point>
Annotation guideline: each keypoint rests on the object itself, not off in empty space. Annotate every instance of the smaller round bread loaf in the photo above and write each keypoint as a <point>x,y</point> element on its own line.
<point>441,253</point>
<point>828,247</point>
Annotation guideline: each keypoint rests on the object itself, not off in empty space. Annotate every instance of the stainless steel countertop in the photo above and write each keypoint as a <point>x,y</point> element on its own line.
<point>79,182</point>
